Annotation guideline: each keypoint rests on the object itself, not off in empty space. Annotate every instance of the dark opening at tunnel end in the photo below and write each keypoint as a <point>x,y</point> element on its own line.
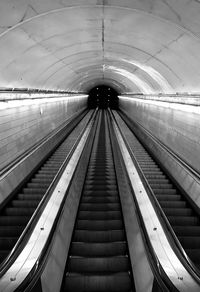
<point>103,97</point>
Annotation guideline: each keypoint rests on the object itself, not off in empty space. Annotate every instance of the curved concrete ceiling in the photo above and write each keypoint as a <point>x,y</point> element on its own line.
<point>132,45</point>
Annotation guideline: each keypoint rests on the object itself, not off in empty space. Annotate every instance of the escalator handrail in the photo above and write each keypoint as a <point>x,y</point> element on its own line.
<point>163,281</point>
<point>22,240</point>
<point>165,223</point>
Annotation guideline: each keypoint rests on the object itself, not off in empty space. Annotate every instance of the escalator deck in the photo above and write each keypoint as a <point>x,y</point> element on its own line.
<point>181,215</point>
<point>98,256</point>
<point>19,209</point>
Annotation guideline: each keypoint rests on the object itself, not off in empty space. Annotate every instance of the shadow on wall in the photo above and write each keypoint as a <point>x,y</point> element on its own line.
<point>103,97</point>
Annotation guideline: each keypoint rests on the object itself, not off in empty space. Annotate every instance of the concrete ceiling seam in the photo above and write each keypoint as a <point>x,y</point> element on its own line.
<point>163,42</point>
<point>153,72</point>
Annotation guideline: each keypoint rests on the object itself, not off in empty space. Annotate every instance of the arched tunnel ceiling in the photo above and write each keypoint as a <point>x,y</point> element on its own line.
<point>149,46</point>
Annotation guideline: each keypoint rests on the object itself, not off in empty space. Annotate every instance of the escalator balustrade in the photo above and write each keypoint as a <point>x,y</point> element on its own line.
<point>181,215</point>
<point>18,211</point>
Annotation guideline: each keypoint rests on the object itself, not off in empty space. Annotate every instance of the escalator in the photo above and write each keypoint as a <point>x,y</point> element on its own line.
<point>17,212</point>
<point>98,258</point>
<point>182,216</point>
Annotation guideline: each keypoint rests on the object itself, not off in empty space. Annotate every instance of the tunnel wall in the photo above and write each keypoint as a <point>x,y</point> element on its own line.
<point>24,123</point>
<point>176,125</point>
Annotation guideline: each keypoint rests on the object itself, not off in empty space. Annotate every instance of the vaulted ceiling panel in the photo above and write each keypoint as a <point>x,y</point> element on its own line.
<point>148,46</point>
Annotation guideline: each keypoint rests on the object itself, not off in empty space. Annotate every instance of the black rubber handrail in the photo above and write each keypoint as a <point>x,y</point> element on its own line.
<point>21,242</point>
<point>28,284</point>
<point>163,281</point>
<point>188,264</point>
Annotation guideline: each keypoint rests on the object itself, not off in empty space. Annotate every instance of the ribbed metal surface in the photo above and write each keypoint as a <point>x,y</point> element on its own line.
<point>98,257</point>
<point>18,211</point>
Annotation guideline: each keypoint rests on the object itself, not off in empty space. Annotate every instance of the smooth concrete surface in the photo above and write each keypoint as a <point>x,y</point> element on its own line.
<point>158,121</point>
<point>175,125</point>
<point>134,45</point>
<point>25,122</point>
<point>15,176</point>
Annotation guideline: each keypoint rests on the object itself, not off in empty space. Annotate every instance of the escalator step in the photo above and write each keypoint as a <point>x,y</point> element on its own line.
<point>99,215</point>
<point>41,180</point>
<point>101,169</point>
<point>43,176</point>
<point>3,254</point>
<point>38,185</point>
<point>155,176</point>
<point>183,220</point>
<point>158,180</point>
<point>95,188</point>
<point>118,282</point>
<point>99,236</point>
<point>14,220</point>
<point>49,168</point>
<point>99,224</point>
<point>101,193</point>
<point>168,197</point>
<point>98,264</point>
<point>25,203</point>
<point>173,204</point>
<point>96,174</point>
<point>152,172</point>
<point>52,165</point>
<point>18,211</point>
<point>30,196</point>
<point>151,168</point>
<point>148,163</point>
<point>178,211</point>
<point>98,249</point>
<point>99,207</point>
<point>7,242</point>
<point>34,191</point>
<point>97,184</point>
<point>187,230</point>
<point>100,180</point>
<point>12,231</point>
<point>100,200</point>
<point>164,191</point>
<point>101,173</point>
<point>47,172</point>
<point>188,242</point>
<point>193,254</point>
<point>158,185</point>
